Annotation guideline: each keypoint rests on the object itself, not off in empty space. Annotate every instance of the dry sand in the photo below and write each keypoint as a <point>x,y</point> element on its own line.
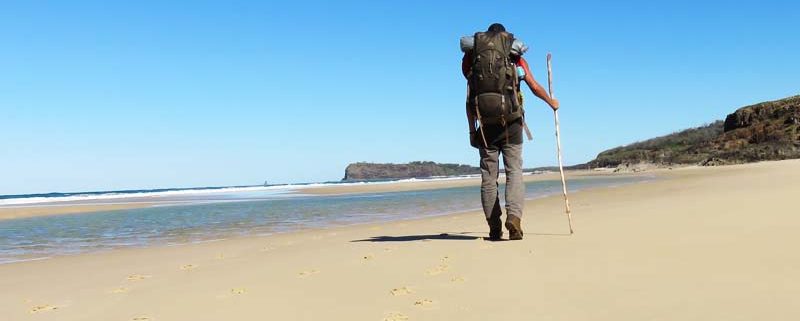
<point>703,244</point>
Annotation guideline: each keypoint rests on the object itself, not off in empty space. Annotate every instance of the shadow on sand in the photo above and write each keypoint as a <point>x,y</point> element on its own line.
<point>549,234</point>
<point>410,238</point>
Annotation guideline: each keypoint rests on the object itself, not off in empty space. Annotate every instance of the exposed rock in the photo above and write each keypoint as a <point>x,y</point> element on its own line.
<point>713,161</point>
<point>785,111</point>
<point>635,168</point>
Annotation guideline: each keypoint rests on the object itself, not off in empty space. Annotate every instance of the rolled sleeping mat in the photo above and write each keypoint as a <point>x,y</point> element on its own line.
<point>467,43</point>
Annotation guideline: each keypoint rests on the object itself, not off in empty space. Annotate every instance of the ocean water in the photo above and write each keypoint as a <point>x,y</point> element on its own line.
<point>211,215</point>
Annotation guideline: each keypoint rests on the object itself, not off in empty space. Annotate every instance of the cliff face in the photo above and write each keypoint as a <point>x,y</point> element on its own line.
<point>765,131</point>
<point>371,171</point>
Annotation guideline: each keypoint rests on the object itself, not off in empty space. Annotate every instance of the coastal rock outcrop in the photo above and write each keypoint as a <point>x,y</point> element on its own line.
<point>764,131</point>
<point>373,171</point>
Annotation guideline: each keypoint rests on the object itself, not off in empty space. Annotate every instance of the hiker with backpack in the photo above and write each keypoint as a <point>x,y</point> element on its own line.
<point>493,66</point>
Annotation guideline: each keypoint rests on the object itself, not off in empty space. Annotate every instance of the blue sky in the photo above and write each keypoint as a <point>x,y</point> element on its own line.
<point>100,96</point>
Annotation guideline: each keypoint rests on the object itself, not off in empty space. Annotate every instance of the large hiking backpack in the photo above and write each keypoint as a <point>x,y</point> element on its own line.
<point>493,81</point>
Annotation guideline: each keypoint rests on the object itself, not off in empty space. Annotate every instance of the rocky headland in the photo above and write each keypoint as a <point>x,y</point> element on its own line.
<point>764,131</point>
<point>372,171</point>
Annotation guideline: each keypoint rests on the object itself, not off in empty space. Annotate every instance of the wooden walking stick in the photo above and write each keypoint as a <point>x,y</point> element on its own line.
<point>558,144</point>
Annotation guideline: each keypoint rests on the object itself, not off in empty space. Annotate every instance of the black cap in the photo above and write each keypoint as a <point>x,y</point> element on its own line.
<point>496,27</point>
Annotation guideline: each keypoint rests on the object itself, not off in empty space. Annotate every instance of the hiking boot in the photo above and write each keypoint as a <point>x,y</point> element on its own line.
<point>495,228</point>
<point>514,227</point>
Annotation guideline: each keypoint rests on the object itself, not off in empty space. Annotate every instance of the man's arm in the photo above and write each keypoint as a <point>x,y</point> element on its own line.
<point>465,65</point>
<point>535,87</point>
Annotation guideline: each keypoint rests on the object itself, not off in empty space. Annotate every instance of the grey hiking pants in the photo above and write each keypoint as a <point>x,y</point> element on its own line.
<point>515,187</point>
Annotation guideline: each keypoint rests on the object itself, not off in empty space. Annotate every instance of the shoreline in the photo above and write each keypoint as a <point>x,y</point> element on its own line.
<point>339,190</point>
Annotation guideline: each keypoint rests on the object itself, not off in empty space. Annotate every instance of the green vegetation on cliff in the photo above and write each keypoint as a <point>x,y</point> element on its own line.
<point>764,131</point>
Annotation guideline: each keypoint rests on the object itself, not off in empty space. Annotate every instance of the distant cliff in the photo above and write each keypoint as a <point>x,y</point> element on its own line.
<point>764,131</point>
<point>372,171</point>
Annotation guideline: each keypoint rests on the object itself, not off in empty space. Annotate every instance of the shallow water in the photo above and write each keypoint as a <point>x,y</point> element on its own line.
<point>239,214</point>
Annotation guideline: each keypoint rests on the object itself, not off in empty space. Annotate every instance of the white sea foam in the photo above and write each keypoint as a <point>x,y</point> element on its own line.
<point>11,260</point>
<point>268,190</point>
<point>144,194</point>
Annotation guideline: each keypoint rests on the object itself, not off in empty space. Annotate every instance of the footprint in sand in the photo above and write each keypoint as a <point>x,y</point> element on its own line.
<point>308,273</point>
<point>395,316</point>
<point>238,291</point>
<point>400,291</point>
<point>389,249</point>
<point>188,267</point>
<point>457,279</point>
<point>119,290</point>
<point>267,248</point>
<point>141,319</point>
<point>441,268</point>
<point>137,277</point>
<point>43,308</point>
<point>423,303</point>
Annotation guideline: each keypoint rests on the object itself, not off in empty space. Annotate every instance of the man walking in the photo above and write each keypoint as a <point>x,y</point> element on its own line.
<point>493,66</point>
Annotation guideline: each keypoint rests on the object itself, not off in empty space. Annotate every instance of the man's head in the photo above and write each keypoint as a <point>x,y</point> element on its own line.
<point>496,27</point>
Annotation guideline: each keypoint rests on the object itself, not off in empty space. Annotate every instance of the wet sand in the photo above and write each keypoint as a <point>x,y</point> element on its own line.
<point>12,212</point>
<point>700,244</point>
<point>460,182</point>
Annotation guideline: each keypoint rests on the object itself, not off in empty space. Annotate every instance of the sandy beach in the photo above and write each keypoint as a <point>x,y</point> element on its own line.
<point>711,243</point>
